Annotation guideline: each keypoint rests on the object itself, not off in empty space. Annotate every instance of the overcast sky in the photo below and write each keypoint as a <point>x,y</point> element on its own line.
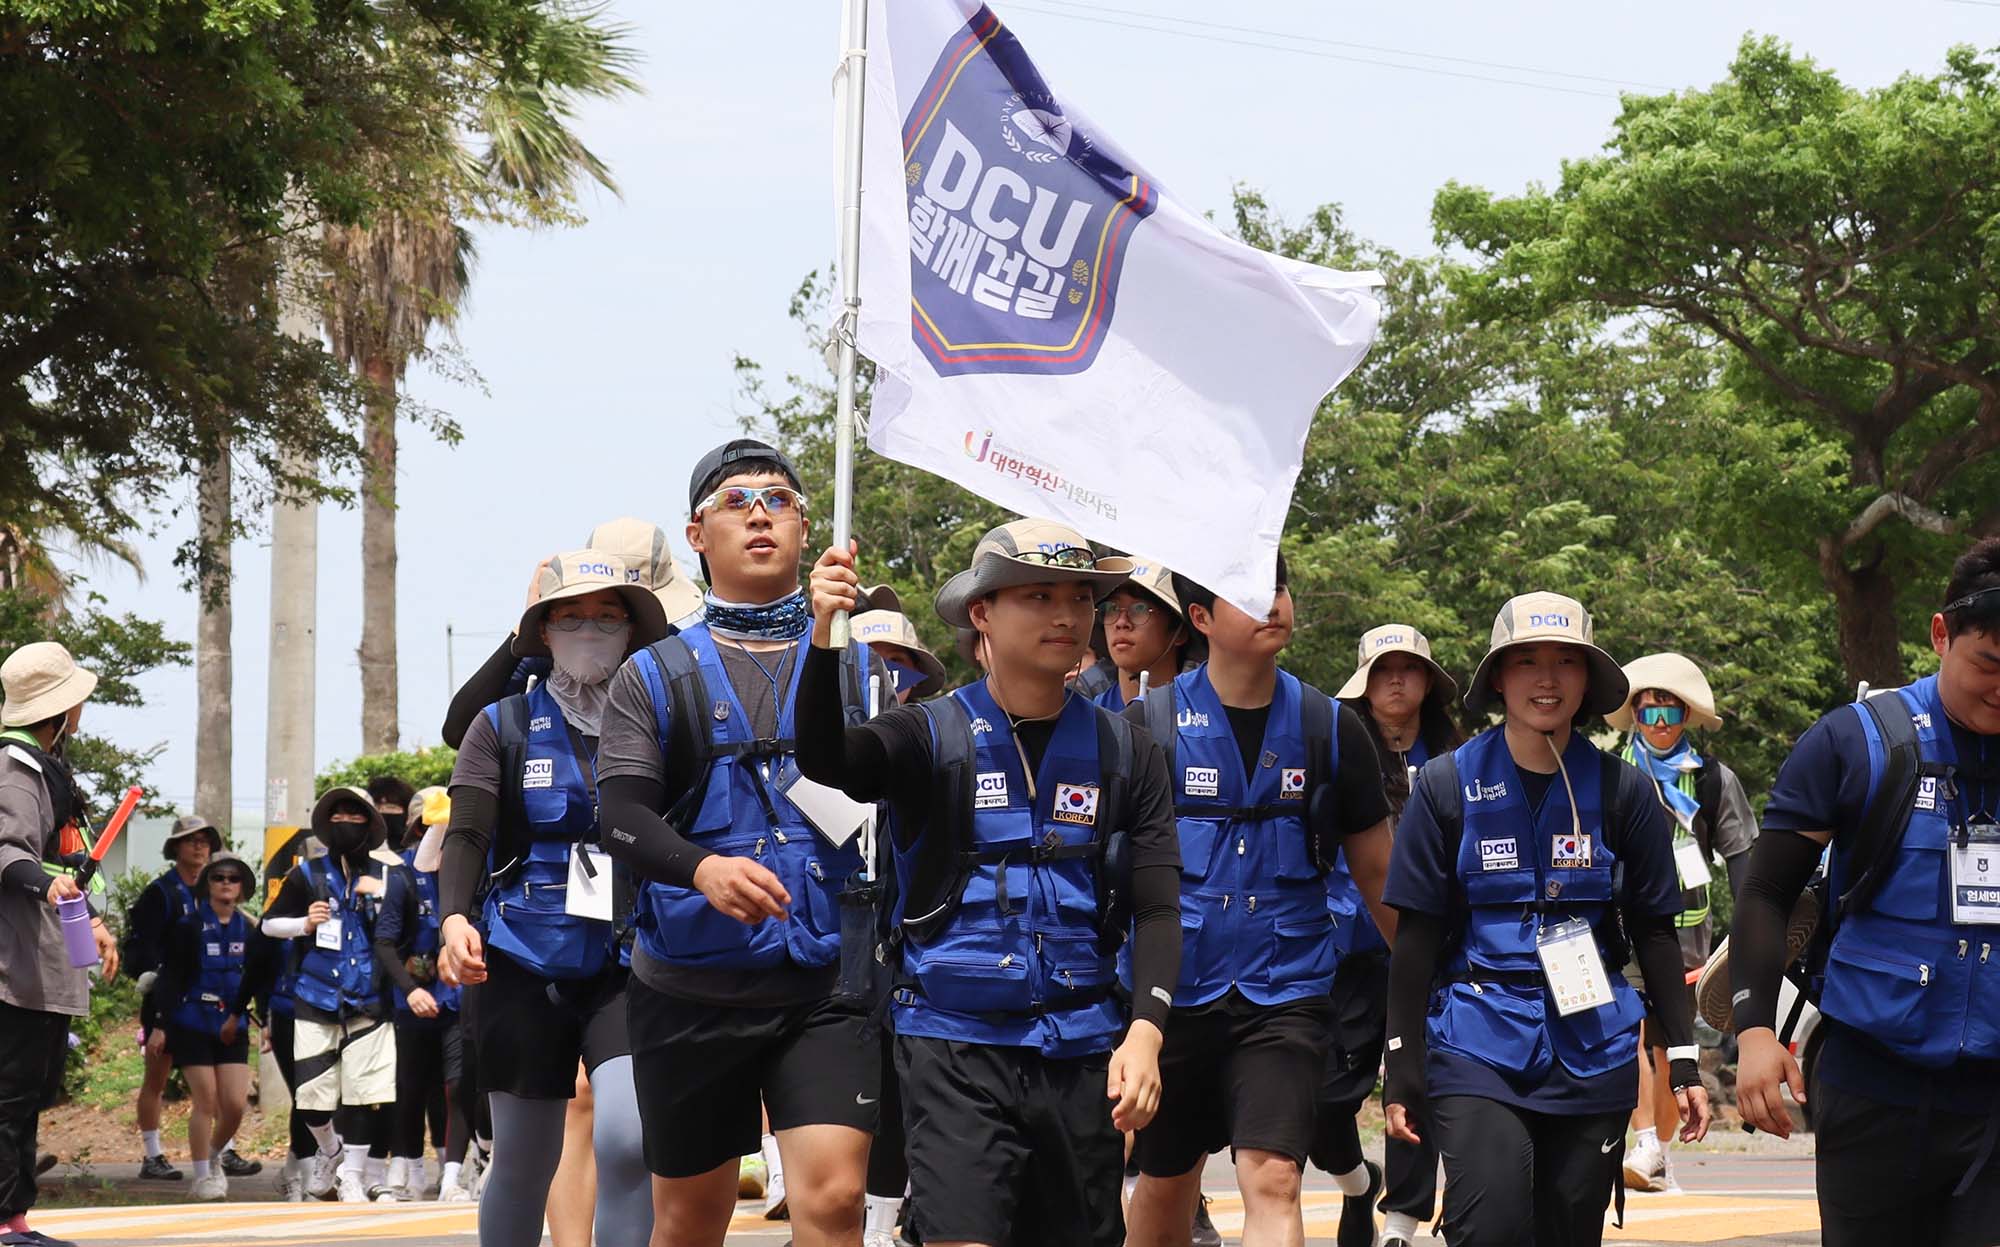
<point>606,349</point>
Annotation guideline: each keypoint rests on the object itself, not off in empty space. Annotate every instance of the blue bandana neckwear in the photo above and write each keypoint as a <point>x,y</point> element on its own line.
<point>786,619</point>
<point>1665,770</point>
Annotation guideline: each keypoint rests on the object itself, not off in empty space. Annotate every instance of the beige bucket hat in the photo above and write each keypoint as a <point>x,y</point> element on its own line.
<point>1395,639</point>
<point>1016,554</point>
<point>1670,673</point>
<point>649,561</point>
<point>1156,578</point>
<point>1533,617</point>
<point>40,681</point>
<point>575,573</point>
<point>191,825</point>
<point>879,618</point>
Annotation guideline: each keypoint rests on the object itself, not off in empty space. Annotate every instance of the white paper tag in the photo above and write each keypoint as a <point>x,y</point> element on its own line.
<point>1692,864</point>
<point>1573,966</point>
<point>836,816</point>
<point>1975,877</point>
<point>589,896</point>
<point>327,935</point>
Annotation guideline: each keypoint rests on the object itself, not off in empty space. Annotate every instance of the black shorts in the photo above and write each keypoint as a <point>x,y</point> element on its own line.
<point>1512,1175</point>
<point>440,1039</point>
<point>1235,1074</point>
<point>1008,1147</point>
<point>703,1070</point>
<point>531,1031</point>
<point>1360,1024</point>
<point>193,1047</point>
<point>1890,1174</point>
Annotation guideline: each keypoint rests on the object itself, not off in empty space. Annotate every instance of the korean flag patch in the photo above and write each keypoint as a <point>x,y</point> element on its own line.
<point>1570,852</point>
<point>1076,803</point>
<point>1292,783</point>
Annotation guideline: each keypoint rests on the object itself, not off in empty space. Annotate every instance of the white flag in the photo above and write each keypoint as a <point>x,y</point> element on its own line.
<point>1056,333</point>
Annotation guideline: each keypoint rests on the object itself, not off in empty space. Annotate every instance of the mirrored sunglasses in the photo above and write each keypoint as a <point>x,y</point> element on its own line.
<point>1662,716</point>
<point>778,500</point>
<point>1075,558</point>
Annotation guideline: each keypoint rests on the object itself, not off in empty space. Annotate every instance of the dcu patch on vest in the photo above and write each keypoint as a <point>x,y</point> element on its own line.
<point>1926,793</point>
<point>1499,854</point>
<point>1019,221</point>
<point>1292,783</point>
<point>1076,803</point>
<point>1570,852</point>
<point>539,773</point>
<point>989,790</point>
<point>1202,781</point>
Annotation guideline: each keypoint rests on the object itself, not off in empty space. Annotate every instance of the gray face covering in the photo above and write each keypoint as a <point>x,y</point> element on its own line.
<point>581,681</point>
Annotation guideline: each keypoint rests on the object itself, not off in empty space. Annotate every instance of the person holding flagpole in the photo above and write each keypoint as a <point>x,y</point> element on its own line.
<point>1030,830</point>
<point>734,994</point>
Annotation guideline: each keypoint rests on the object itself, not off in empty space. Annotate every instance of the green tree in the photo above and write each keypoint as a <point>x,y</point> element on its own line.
<point>119,649</point>
<point>419,768</point>
<point>1840,245</point>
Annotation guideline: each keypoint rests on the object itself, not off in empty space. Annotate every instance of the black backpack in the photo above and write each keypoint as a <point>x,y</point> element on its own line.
<point>944,857</point>
<point>1316,724</point>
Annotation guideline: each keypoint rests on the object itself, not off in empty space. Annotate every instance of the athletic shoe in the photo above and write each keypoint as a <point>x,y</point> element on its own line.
<point>235,1166</point>
<point>352,1187</point>
<point>213,1187</point>
<point>32,1238</point>
<point>882,1238</point>
<point>159,1170</point>
<point>453,1193</point>
<point>752,1176</point>
<point>1205,1234</point>
<point>292,1189</point>
<point>1357,1212</point>
<point>391,1194</point>
<point>472,1174</point>
<point>775,1207</point>
<point>1645,1168</point>
<point>1394,1240</point>
<point>323,1176</point>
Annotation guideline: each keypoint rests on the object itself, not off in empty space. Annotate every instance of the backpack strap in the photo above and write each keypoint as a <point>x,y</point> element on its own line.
<point>1438,780</point>
<point>1162,719</point>
<point>1095,681</point>
<point>1611,789</point>
<point>1117,759</point>
<point>689,750</point>
<point>1317,720</point>
<point>1890,800</point>
<point>510,724</point>
<point>938,857</point>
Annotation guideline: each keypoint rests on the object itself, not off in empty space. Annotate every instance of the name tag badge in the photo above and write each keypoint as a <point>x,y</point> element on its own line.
<point>1573,967</point>
<point>1975,876</point>
<point>327,935</point>
<point>1692,864</point>
<point>589,891</point>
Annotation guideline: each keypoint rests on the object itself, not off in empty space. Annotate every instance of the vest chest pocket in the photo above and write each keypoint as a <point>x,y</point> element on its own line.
<point>1496,1026</point>
<point>1510,886</point>
<point>1199,839</point>
<point>546,809</point>
<point>1291,855</point>
<point>1581,883</point>
<point>1912,889</point>
<point>1879,990</point>
<point>1301,949</point>
<point>1074,966</point>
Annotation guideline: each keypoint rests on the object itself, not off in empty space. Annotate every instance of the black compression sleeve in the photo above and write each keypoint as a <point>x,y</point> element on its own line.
<point>25,876</point>
<point>638,837</point>
<point>1156,941</point>
<point>466,841</point>
<point>1657,949</point>
<point>1413,963</point>
<point>1738,867</point>
<point>487,685</point>
<point>886,759</point>
<point>392,965</point>
<point>1781,864</point>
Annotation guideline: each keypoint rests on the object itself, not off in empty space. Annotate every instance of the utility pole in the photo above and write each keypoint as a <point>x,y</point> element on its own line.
<point>288,733</point>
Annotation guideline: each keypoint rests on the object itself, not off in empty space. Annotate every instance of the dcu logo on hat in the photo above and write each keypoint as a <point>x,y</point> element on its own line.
<point>1019,221</point>
<point>1075,803</point>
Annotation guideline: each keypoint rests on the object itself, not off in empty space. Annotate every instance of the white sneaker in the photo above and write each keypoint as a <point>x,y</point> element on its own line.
<point>881,1238</point>
<point>353,1187</point>
<point>213,1187</point>
<point>453,1193</point>
<point>775,1207</point>
<point>391,1193</point>
<point>1645,1168</point>
<point>323,1175</point>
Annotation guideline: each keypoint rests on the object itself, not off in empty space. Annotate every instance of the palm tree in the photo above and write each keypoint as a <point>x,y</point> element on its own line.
<point>408,271</point>
<point>214,661</point>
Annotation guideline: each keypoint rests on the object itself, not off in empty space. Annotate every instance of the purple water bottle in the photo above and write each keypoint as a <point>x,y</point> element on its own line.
<point>75,912</point>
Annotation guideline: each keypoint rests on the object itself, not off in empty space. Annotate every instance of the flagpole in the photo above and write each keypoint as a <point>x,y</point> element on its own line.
<point>854,72</point>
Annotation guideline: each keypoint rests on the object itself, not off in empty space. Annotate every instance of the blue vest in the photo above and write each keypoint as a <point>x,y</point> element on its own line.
<point>220,950</point>
<point>180,898</point>
<point>1254,913</point>
<point>340,981</point>
<point>743,813</point>
<point>1020,963</point>
<point>1112,699</point>
<point>1520,871</point>
<point>422,938</point>
<point>1900,970</point>
<point>526,910</point>
<point>1354,929</point>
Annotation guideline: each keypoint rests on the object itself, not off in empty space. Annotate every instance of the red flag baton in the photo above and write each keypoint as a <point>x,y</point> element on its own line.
<point>112,827</point>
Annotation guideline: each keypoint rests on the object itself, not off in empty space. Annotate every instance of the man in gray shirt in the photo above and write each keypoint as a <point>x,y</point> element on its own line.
<point>39,990</point>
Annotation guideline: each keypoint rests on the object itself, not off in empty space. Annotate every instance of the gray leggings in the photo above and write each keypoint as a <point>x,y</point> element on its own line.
<point>527,1147</point>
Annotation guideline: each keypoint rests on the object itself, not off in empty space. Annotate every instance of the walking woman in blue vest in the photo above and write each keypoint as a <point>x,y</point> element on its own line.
<point>1906,1096</point>
<point>548,955</point>
<point>1405,698</point>
<point>1273,783</point>
<point>1014,802</point>
<point>1145,633</point>
<point>1515,859</point>
<point>215,968</point>
<point>167,901</point>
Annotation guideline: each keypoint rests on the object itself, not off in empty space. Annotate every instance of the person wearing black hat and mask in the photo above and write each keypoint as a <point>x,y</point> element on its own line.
<point>167,902</point>
<point>344,1050</point>
<point>216,968</point>
<point>733,993</point>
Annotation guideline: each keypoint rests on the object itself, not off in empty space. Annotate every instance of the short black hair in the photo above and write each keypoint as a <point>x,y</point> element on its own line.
<point>1193,594</point>
<point>392,789</point>
<point>1975,575</point>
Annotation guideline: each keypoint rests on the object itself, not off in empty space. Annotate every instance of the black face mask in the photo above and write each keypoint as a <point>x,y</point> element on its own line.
<point>395,821</point>
<point>345,839</point>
